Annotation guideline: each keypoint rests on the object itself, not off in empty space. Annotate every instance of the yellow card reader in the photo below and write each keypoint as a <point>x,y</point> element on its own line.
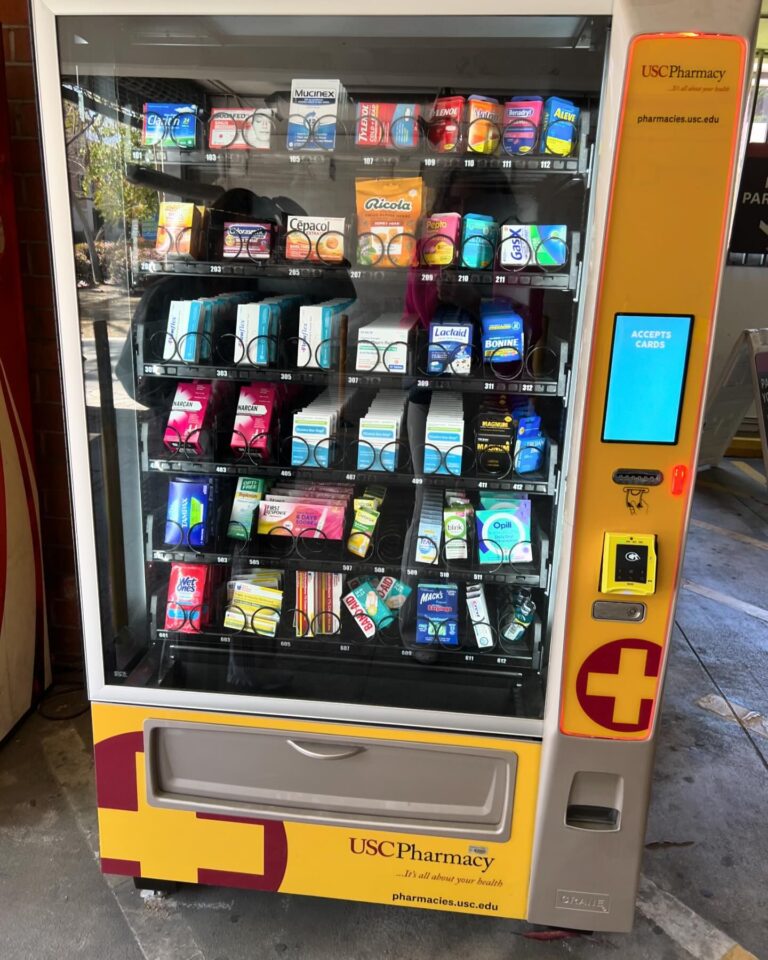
<point>629,563</point>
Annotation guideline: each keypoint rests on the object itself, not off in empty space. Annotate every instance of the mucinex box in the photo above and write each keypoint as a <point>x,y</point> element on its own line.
<point>315,108</point>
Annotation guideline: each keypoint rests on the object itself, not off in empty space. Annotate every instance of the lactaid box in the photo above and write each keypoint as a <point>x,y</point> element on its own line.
<point>450,347</point>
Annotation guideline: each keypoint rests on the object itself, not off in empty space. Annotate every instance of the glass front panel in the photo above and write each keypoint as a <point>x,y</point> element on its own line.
<point>327,317</point>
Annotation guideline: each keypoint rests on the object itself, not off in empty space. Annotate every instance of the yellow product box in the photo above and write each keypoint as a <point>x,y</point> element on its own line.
<point>180,229</point>
<point>388,213</point>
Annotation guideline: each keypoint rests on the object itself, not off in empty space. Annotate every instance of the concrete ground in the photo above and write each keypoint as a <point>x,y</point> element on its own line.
<point>704,876</point>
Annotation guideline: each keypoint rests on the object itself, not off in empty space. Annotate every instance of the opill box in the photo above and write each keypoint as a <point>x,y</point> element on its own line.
<point>504,533</point>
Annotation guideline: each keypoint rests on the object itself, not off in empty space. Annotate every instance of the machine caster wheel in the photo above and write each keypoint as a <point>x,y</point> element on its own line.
<point>163,887</point>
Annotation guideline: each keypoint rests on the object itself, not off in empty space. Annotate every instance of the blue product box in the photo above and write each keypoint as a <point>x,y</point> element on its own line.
<point>529,453</point>
<point>189,505</point>
<point>503,335</point>
<point>450,348</point>
<point>479,237</point>
<point>169,125</point>
<point>437,614</point>
<point>561,119</point>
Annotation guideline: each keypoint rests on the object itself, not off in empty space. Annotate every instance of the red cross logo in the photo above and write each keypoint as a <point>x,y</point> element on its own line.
<point>616,685</point>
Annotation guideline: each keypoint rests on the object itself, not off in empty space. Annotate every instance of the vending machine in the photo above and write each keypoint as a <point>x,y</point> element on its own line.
<point>385,336</point>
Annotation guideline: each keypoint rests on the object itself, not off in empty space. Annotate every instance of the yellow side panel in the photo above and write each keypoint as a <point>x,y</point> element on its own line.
<point>374,866</point>
<point>663,254</point>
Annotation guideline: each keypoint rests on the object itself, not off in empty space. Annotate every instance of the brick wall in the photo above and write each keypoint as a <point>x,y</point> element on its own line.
<point>44,373</point>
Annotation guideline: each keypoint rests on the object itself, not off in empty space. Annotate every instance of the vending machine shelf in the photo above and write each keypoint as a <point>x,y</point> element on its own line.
<point>564,281</point>
<point>224,160</point>
<point>396,641</point>
<point>476,473</point>
<point>541,371</point>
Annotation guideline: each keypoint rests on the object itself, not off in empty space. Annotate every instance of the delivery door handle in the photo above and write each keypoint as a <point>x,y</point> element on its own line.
<point>324,751</point>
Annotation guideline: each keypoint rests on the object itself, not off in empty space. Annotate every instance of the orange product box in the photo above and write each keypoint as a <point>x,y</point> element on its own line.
<point>388,213</point>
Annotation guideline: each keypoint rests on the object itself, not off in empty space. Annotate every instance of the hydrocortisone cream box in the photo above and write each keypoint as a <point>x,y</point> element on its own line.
<point>383,345</point>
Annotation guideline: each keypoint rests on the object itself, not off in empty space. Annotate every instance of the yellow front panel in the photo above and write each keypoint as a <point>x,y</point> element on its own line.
<point>375,866</point>
<point>663,256</point>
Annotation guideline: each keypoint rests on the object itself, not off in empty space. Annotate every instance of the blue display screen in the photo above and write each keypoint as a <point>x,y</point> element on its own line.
<point>649,359</point>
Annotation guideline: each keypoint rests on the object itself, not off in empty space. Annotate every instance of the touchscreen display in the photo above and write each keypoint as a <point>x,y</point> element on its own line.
<point>649,359</point>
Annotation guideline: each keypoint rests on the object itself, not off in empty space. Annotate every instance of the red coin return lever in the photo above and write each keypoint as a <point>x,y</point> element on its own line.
<point>679,473</point>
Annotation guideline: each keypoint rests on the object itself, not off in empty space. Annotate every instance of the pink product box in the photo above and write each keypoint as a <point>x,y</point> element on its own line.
<point>311,493</point>
<point>302,518</point>
<point>188,415</point>
<point>253,420</point>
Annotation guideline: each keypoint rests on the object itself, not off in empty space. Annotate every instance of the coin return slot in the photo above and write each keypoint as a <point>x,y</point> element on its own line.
<point>587,817</point>
<point>595,801</point>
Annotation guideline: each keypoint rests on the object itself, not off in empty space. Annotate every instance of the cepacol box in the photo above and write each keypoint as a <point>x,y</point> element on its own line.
<point>315,238</point>
<point>444,132</point>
